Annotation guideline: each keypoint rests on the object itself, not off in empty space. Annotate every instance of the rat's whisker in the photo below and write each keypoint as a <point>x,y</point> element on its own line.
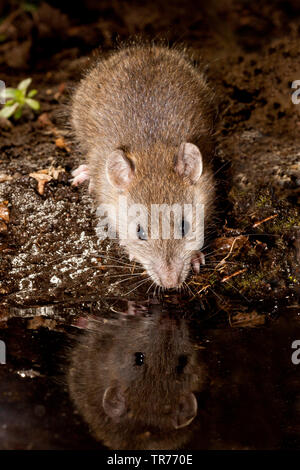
<point>122,275</point>
<point>101,266</point>
<point>150,287</point>
<point>139,285</point>
<point>127,279</point>
<point>218,297</point>
<point>123,280</point>
<point>188,287</point>
<point>238,291</point>
<point>89,255</point>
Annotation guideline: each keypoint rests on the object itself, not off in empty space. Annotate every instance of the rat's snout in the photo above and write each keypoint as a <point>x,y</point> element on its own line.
<point>170,274</point>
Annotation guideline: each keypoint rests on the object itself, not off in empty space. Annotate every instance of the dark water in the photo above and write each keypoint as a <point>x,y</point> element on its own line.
<point>147,376</point>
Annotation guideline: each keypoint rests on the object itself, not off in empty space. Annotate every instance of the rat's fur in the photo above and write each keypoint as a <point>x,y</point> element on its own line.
<point>147,101</point>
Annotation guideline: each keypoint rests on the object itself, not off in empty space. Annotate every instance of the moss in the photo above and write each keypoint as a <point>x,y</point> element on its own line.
<point>293,279</point>
<point>264,200</point>
<point>282,224</point>
<point>250,280</point>
<point>213,278</point>
<point>226,286</point>
<point>280,243</point>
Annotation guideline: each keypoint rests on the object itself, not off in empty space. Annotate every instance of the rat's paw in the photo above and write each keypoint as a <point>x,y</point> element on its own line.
<point>198,258</point>
<point>135,308</point>
<point>81,323</point>
<point>80,175</point>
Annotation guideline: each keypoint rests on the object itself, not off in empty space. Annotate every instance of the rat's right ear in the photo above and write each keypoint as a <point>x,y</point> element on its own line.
<point>119,169</point>
<point>113,403</point>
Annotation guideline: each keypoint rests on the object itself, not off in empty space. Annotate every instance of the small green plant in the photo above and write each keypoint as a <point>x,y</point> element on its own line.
<point>17,99</point>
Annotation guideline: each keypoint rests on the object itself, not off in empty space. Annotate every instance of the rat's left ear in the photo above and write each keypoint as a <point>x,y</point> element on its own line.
<point>188,162</point>
<point>185,411</point>
<point>113,403</point>
<point>119,169</point>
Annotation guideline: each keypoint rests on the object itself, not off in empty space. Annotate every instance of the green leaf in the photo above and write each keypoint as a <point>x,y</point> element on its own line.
<point>32,93</point>
<point>29,7</point>
<point>18,113</point>
<point>8,111</point>
<point>10,93</point>
<point>9,102</point>
<point>21,95</point>
<point>24,84</point>
<point>34,104</point>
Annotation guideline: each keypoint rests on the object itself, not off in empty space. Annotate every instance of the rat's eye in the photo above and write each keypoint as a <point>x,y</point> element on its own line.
<point>139,358</point>
<point>185,227</point>
<point>141,232</point>
<point>182,362</point>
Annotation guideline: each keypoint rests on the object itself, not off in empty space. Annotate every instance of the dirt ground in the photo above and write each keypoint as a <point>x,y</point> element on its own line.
<point>52,266</point>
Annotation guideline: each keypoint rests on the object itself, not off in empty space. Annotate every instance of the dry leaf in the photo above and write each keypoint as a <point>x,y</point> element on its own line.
<point>42,179</point>
<point>4,211</point>
<point>61,143</point>
<point>44,120</point>
<point>3,226</point>
<point>43,176</point>
<point>231,244</point>
<point>4,177</point>
<point>61,89</point>
<point>55,172</point>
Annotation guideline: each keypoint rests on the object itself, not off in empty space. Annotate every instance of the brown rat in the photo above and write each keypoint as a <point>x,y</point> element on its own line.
<point>144,119</point>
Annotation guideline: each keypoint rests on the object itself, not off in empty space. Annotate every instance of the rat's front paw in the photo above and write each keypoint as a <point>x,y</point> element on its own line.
<point>80,175</point>
<point>198,258</point>
<point>137,309</point>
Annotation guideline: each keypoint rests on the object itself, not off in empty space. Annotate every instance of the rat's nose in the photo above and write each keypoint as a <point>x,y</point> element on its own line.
<point>170,275</point>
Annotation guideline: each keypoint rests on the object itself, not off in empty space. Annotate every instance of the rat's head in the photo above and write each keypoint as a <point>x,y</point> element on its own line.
<point>154,360</point>
<point>161,196</point>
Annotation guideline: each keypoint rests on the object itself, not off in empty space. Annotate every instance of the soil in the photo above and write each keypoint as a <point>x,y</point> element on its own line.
<point>53,269</point>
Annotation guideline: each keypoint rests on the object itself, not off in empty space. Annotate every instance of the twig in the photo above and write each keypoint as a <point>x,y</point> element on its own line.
<point>229,253</point>
<point>264,220</point>
<point>226,278</point>
<point>199,291</point>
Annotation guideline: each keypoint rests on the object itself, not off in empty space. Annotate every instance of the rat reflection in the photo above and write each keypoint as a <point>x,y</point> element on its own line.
<point>133,378</point>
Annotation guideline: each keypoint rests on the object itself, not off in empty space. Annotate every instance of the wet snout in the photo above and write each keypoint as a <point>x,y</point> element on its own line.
<point>170,274</point>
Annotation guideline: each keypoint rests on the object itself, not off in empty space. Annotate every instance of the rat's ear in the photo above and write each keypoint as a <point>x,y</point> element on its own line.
<point>119,169</point>
<point>185,411</point>
<point>113,403</point>
<point>188,162</point>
